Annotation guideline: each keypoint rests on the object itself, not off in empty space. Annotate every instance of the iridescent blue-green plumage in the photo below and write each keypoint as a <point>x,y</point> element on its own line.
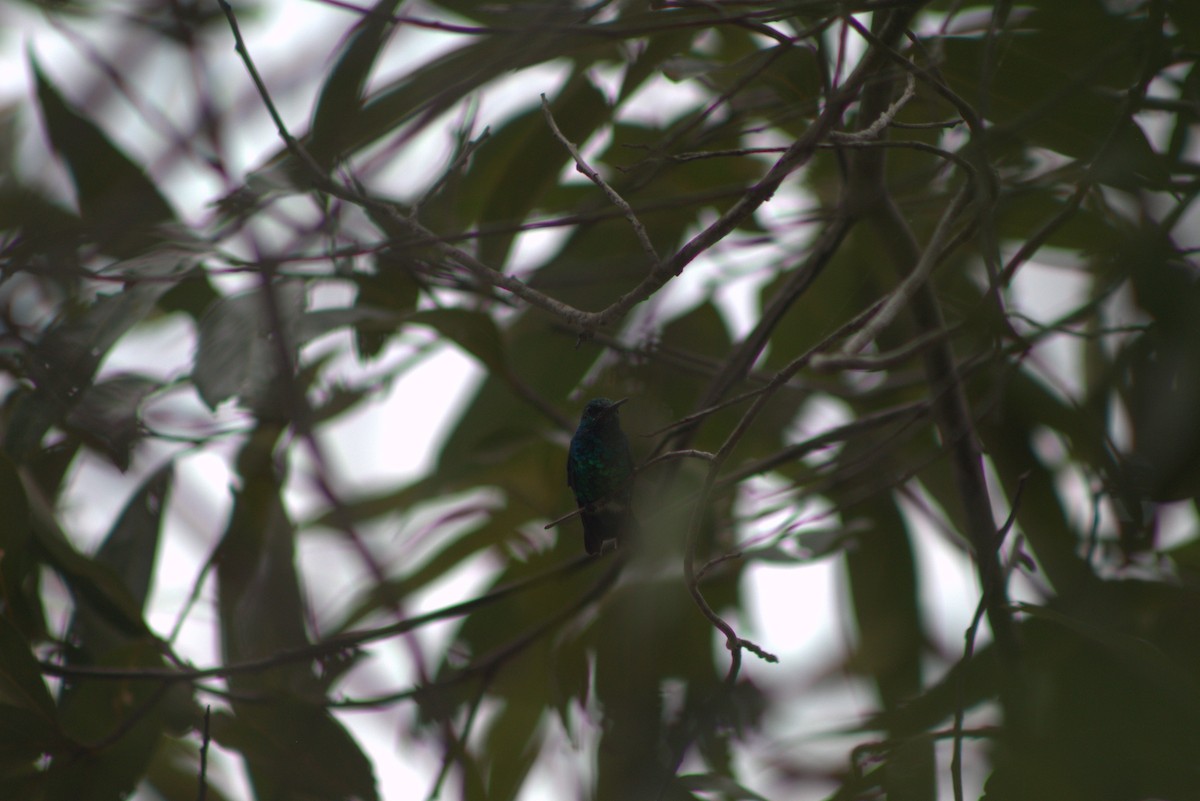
<point>600,473</point>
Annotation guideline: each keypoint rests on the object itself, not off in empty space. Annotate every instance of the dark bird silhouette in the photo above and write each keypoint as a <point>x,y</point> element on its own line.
<point>600,473</point>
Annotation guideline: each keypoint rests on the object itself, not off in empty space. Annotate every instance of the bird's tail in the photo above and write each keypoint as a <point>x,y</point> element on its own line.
<point>606,524</point>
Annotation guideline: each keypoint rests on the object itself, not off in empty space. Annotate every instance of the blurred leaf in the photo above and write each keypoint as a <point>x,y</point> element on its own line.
<point>28,717</point>
<point>495,530</point>
<point>569,677</point>
<point>236,353</point>
<point>341,96</point>
<point>19,565</point>
<point>474,332</point>
<point>118,724</point>
<point>1023,214</point>
<point>318,322</point>
<point>522,160</point>
<point>297,751</point>
<point>191,295</point>
<point>262,609</point>
<point>130,550</point>
<point>1058,102</point>
<point>394,287</point>
<point>108,416</point>
<point>91,582</point>
<point>1164,394</point>
<point>1137,744</point>
<point>118,201</point>
<point>1135,652</point>
<point>1186,17</point>
<point>131,547</point>
<point>65,359</point>
<point>512,745</point>
<point>720,786</point>
<point>174,772</point>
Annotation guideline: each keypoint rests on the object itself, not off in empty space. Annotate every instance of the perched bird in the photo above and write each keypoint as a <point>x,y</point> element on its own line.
<point>600,473</point>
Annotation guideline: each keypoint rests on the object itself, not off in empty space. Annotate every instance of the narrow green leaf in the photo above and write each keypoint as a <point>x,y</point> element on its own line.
<point>261,607</point>
<point>21,684</point>
<point>120,725</point>
<point>20,565</point>
<point>475,332</point>
<point>117,200</point>
<point>522,160</point>
<point>129,551</point>
<point>174,772</point>
<point>1147,657</point>
<point>319,322</point>
<point>91,583</point>
<point>393,286</point>
<point>296,750</point>
<point>131,547</point>
<point>512,746</point>
<point>341,97</point>
<point>722,786</point>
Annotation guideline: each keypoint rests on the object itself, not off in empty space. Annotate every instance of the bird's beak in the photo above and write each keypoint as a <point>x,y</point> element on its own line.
<point>612,409</point>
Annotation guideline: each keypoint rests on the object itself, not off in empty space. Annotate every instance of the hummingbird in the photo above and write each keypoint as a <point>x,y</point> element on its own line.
<point>600,473</point>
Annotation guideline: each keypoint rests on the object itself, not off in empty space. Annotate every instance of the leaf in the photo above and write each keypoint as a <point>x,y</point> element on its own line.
<point>1144,656</point>
<point>1039,89</point>
<point>120,723</point>
<point>20,564</point>
<point>118,201</point>
<point>423,95</point>
<point>340,99</point>
<point>108,416</point>
<point>129,551</point>
<point>569,679</point>
<point>512,746</point>
<point>296,750</point>
<point>317,323</point>
<point>66,358</point>
<point>475,332</point>
<point>1186,17</point>
<point>886,595</point>
<point>522,160</point>
<point>131,547</point>
<point>722,786</point>
<point>91,583</point>
<point>497,422</point>
<point>174,772</point>
<point>28,717</point>
<point>393,286</point>
<point>261,607</point>
<point>236,355</point>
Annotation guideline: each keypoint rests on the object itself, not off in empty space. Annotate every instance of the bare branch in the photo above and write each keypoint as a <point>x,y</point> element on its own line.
<point>580,164</point>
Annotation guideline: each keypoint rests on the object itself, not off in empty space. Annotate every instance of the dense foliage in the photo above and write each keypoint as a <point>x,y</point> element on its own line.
<point>571,194</point>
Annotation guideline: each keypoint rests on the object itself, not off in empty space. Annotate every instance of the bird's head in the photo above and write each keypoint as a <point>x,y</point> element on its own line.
<point>600,411</point>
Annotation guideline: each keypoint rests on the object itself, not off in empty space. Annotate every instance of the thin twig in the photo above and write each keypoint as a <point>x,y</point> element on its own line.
<point>749,201</point>
<point>493,661</point>
<point>334,644</point>
<point>883,121</point>
<point>300,412</point>
<point>202,792</point>
<point>582,166</point>
<point>969,651</point>
<point>883,361</point>
<point>915,280</point>
<point>456,749</point>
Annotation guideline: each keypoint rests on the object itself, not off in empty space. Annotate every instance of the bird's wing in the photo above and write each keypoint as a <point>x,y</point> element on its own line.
<point>570,471</point>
